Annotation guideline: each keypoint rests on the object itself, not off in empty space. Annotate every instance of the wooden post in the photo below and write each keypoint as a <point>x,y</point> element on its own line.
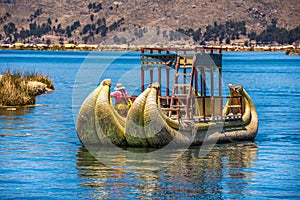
<point>195,72</point>
<point>151,76</point>
<point>241,103</point>
<point>184,70</point>
<point>168,82</point>
<point>184,77</point>
<point>176,82</point>
<point>204,82</point>
<point>142,73</point>
<point>203,107</point>
<point>204,90</point>
<point>143,79</point>
<point>159,81</point>
<point>220,91</point>
<point>212,91</point>
<point>196,82</point>
<point>201,82</point>
<point>187,108</point>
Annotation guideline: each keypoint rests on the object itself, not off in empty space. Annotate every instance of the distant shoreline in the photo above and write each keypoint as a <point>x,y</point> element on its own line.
<point>73,47</point>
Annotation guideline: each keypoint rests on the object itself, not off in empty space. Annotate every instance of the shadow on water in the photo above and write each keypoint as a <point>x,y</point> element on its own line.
<point>15,111</point>
<point>13,117</point>
<point>189,175</point>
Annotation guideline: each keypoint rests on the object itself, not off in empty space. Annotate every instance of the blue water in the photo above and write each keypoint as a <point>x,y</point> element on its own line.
<point>41,156</point>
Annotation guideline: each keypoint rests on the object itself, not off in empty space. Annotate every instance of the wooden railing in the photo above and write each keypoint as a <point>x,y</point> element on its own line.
<point>205,107</point>
<point>213,109</point>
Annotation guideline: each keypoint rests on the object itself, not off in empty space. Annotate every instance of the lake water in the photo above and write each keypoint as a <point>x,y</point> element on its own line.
<point>41,156</point>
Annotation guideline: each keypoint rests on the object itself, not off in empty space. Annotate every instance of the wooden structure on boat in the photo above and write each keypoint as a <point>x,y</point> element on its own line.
<point>182,104</point>
<point>193,94</point>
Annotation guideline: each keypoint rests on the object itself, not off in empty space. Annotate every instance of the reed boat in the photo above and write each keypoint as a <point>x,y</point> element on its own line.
<point>188,110</point>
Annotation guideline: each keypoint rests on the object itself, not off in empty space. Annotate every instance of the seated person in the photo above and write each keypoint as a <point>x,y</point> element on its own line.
<point>122,102</point>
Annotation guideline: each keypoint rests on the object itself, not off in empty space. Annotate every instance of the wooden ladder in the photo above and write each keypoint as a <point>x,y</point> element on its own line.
<point>181,102</point>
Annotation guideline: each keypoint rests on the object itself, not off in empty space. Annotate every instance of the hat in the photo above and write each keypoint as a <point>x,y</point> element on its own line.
<point>119,86</point>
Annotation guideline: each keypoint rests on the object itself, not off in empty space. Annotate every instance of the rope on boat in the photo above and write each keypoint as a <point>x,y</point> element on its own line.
<point>231,140</point>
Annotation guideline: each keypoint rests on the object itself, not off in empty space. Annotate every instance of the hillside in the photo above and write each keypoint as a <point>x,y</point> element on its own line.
<point>91,21</point>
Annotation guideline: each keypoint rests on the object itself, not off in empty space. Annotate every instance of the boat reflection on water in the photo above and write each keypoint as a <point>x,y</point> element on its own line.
<point>189,175</point>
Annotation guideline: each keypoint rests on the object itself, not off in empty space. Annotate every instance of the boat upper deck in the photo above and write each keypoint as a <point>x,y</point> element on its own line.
<point>191,79</point>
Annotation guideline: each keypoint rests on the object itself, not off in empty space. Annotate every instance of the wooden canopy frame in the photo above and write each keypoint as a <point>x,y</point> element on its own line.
<point>201,59</point>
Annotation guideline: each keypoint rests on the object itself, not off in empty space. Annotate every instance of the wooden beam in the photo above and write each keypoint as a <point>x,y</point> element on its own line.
<point>167,82</point>
<point>143,79</point>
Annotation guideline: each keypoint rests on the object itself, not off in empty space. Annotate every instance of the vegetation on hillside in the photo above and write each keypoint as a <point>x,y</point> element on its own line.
<point>95,22</point>
<point>224,33</point>
<point>95,27</point>
<point>19,89</point>
<point>280,35</point>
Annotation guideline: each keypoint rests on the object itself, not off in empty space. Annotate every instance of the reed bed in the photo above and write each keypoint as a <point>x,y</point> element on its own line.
<point>15,90</point>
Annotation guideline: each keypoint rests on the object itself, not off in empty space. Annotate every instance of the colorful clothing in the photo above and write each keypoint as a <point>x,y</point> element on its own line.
<point>122,103</point>
<point>120,96</point>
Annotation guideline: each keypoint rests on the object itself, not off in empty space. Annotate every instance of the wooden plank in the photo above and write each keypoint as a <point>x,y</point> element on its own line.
<point>153,66</point>
<point>150,61</point>
<point>208,60</point>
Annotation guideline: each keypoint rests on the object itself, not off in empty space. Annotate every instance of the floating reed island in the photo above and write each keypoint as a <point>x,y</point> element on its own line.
<point>20,88</point>
<point>293,51</point>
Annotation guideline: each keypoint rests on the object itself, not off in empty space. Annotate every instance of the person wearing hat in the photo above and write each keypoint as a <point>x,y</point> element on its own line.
<point>122,102</point>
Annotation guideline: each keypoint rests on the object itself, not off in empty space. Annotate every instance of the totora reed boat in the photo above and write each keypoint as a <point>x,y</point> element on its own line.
<point>187,110</point>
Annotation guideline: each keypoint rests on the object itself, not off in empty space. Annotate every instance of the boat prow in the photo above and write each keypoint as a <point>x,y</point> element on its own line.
<point>98,122</point>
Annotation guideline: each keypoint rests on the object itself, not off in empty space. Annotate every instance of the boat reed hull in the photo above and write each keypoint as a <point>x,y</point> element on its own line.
<point>146,125</point>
